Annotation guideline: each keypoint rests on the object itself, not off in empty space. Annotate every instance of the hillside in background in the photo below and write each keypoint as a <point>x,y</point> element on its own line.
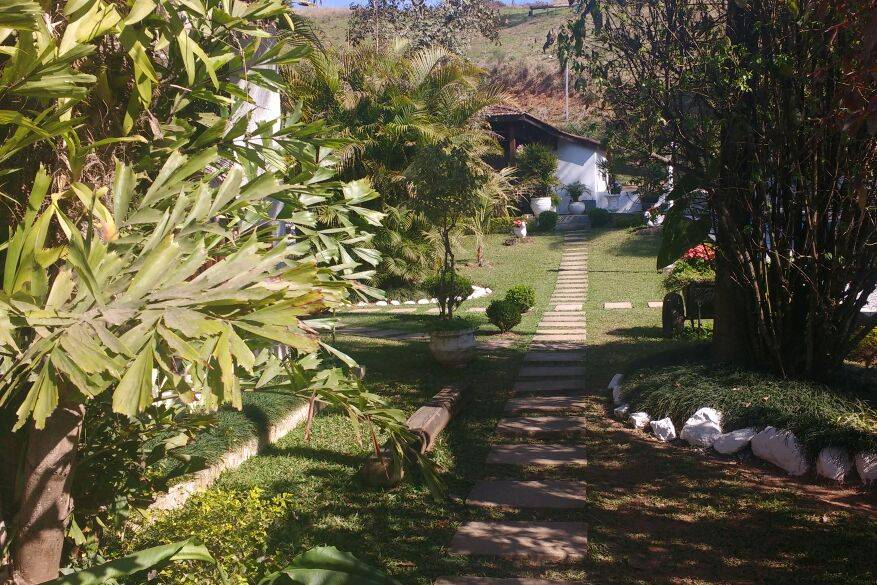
<point>516,62</point>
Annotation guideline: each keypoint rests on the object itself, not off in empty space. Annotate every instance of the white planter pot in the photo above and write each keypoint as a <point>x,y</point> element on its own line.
<point>577,208</point>
<point>452,348</point>
<point>521,231</point>
<point>540,205</point>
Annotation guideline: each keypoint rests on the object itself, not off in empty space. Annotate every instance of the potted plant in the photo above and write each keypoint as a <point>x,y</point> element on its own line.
<point>447,177</point>
<point>576,191</point>
<point>519,227</point>
<point>537,171</point>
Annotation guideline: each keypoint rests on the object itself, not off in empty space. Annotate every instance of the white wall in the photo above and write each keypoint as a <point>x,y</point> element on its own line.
<point>580,162</point>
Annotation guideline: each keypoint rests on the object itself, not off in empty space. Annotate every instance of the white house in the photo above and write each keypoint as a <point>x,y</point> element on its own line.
<point>579,158</point>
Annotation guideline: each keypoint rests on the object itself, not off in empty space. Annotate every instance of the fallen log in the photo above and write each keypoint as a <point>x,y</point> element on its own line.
<point>426,424</point>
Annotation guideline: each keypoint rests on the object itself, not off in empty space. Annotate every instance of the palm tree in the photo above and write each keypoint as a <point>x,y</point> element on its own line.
<point>392,102</point>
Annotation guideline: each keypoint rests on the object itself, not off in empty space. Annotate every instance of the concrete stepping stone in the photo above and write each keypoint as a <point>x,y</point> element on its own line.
<point>549,385</point>
<point>542,427</point>
<point>568,307</point>
<point>544,404</point>
<point>618,305</point>
<point>535,541</point>
<point>556,494</point>
<point>537,455</point>
<point>501,581</point>
<point>476,310</point>
<point>568,331</point>
<point>561,325</point>
<point>408,310</point>
<point>577,338</point>
<point>560,346</point>
<point>563,316</point>
<point>656,304</point>
<point>555,356</point>
<point>433,311</point>
<point>550,371</point>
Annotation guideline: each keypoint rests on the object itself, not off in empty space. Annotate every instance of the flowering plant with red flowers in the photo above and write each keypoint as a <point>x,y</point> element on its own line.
<point>697,264</point>
<point>518,223</point>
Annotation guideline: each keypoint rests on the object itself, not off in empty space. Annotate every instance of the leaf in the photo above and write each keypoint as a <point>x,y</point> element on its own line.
<point>134,392</point>
<point>123,190</point>
<point>142,560</point>
<point>140,10</point>
<point>328,566</point>
<point>41,400</point>
<point>154,268</point>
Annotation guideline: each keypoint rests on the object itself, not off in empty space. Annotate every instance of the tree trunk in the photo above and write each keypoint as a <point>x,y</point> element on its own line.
<point>730,335</point>
<point>45,502</point>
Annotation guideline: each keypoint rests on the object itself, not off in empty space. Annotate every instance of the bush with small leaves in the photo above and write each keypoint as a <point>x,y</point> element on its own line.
<point>600,217</point>
<point>866,351</point>
<point>462,287</point>
<point>523,295</point>
<point>505,314</point>
<point>546,221</point>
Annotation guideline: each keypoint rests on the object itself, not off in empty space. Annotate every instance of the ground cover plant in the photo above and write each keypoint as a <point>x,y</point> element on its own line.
<point>819,415</point>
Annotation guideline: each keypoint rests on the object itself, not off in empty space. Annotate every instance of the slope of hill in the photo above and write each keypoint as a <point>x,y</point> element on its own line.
<point>516,62</point>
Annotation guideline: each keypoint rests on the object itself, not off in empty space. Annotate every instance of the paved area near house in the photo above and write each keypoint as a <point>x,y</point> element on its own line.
<point>543,428</point>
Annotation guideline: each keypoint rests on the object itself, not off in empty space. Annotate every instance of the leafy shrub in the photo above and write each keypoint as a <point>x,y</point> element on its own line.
<point>537,166</point>
<point>576,190</point>
<point>599,217</point>
<point>628,220</point>
<point>462,287</point>
<point>454,324</point>
<point>501,225</point>
<point>546,221</point>
<point>819,415</point>
<point>866,351</point>
<point>523,295</point>
<point>697,264</point>
<point>504,313</point>
<point>232,524</point>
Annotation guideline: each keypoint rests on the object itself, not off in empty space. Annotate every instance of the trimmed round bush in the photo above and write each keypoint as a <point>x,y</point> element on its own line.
<point>523,295</point>
<point>599,217</point>
<point>504,313</point>
<point>546,221</point>
<point>462,288</point>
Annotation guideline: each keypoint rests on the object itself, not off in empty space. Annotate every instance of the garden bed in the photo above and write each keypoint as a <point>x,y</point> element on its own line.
<point>820,416</point>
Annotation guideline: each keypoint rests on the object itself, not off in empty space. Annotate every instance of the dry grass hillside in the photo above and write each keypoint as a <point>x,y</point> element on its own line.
<point>516,62</point>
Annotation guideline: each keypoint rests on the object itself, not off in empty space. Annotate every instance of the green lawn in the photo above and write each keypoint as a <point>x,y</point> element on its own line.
<point>656,514</point>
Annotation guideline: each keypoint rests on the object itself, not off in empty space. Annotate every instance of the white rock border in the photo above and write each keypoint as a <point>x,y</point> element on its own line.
<point>478,292</point>
<point>833,463</point>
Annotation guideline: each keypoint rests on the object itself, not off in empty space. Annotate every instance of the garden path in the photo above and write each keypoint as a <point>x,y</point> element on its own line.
<point>543,428</point>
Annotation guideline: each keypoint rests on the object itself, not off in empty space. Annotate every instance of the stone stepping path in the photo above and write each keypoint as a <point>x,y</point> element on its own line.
<point>537,455</point>
<point>544,404</point>
<point>555,371</point>
<point>501,581</point>
<point>557,494</point>
<point>656,304</point>
<point>618,305</point>
<point>539,542</point>
<point>547,385</point>
<point>543,427</point>
<point>547,405</point>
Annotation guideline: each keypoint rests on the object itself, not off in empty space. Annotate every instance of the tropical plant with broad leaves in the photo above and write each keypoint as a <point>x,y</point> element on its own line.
<point>393,102</point>
<point>146,180</point>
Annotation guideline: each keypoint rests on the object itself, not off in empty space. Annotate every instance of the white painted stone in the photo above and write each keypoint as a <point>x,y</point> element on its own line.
<point>640,420</point>
<point>834,463</point>
<point>381,303</point>
<point>433,300</point>
<point>734,441</point>
<point>423,301</point>
<point>622,411</point>
<point>782,449</point>
<point>615,388</point>
<point>866,466</point>
<point>361,304</point>
<point>409,303</point>
<point>663,429</point>
<point>703,428</point>
<point>395,302</point>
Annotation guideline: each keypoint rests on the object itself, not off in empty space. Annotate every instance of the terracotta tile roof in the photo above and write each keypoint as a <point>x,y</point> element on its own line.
<point>508,112</point>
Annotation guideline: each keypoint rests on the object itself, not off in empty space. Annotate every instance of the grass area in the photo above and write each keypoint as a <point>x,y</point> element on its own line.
<point>656,513</point>
<point>819,416</point>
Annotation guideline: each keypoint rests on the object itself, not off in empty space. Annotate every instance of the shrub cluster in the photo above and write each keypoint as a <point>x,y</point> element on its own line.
<point>546,221</point>
<point>866,351</point>
<point>523,295</point>
<point>504,313</point>
<point>599,217</point>
<point>627,220</point>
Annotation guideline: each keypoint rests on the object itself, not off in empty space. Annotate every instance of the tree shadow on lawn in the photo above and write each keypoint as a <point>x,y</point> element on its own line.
<point>642,246</point>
